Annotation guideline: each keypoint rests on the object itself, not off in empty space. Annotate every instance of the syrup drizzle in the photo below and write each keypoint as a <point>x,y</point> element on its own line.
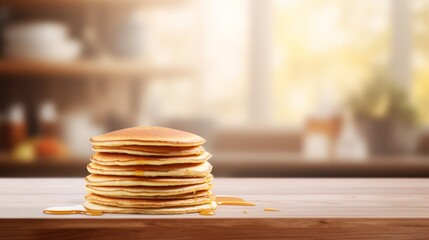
<point>220,200</point>
<point>234,201</point>
<point>271,210</point>
<point>208,212</point>
<point>227,200</point>
<point>77,209</point>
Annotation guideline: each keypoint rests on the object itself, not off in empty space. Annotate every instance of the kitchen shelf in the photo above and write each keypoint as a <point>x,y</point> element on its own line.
<point>56,3</point>
<point>89,67</point>
<point>46,168</point>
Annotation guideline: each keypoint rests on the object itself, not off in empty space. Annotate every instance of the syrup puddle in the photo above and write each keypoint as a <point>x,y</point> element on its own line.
<point>77,209</point>
<point>220,200</point>
<point>227,200</point>
<point>234,201</point>
<point>271,210</point>
<point>209,212</point>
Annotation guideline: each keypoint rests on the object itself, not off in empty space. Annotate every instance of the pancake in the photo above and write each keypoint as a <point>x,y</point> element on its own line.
<point>126,159</point>
<point>137,150</point>
<point>171,210</point>
<point>146,203</point>
<point>148,136</point>
<point>172,170</point>
<point>153,149</point>
<point>203,193</point>
<point>133,191</point>
<point>104,180</point>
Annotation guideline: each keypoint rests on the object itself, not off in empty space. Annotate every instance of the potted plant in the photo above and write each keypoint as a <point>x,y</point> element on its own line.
<point>385,116</point>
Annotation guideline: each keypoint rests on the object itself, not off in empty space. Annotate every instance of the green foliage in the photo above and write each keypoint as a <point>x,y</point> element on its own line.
<point>384,99</point>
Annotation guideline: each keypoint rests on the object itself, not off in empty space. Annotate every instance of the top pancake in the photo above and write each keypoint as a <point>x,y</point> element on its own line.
<point>155,149</point>
<point>148,136</point>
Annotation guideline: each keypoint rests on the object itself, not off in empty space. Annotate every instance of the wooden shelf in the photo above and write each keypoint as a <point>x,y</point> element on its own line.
<point>45,168</point>
<point>91,3</point>
<point>88,67</point>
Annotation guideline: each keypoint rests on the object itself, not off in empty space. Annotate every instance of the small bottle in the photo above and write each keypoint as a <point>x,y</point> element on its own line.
<point>322,127</point>
<point>48,120</point>
<point>350,144</point>
<point>17,126</point>
<point>49,145</point>
<point>3,133</point>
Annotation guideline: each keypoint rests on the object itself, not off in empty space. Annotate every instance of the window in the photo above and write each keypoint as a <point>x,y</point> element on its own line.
<point>329,46</point>
<point>277,58</point>
<point>420,52</point>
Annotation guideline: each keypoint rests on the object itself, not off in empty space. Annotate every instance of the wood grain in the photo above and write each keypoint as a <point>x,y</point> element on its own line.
<point>310,209</point>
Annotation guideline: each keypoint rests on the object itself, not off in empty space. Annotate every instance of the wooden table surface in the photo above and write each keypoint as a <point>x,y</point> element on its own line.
<point>310,208</point>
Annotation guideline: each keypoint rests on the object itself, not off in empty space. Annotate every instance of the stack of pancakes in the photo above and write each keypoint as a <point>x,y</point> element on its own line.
<point>150,170</point>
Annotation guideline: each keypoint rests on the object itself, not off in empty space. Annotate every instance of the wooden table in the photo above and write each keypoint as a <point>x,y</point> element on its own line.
<point>310,208</point>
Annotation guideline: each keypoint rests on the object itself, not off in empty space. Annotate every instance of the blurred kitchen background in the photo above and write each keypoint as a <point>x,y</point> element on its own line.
<point>279,88</point>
